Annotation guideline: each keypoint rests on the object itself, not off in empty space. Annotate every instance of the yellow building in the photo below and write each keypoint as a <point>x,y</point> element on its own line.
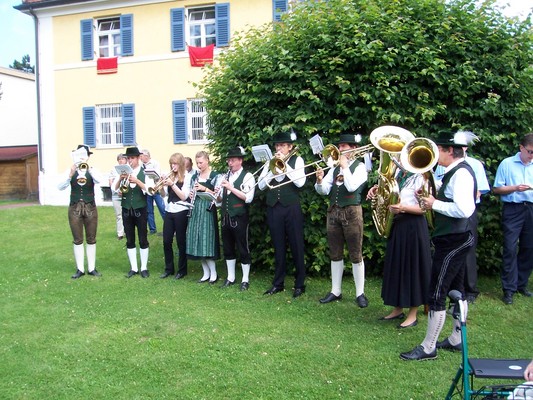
<point>118,73</point>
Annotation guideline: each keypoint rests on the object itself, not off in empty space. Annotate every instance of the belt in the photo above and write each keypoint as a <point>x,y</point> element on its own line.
<point>525,203</point>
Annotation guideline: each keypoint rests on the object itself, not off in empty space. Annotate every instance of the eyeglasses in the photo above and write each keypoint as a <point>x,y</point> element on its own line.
<point>530,152</point>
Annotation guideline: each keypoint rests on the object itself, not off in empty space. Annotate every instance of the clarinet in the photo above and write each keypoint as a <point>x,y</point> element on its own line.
<point>193,197</point>
<point>217,191</point>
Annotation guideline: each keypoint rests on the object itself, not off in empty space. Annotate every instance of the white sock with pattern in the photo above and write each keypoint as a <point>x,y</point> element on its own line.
<point>435,323</point>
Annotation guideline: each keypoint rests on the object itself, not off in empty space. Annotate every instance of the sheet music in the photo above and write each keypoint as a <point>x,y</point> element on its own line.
<point>152,174</point>
<point>316,143</point>
<point>261,153</point>
<point>80,155</point>
<point>123,169</point>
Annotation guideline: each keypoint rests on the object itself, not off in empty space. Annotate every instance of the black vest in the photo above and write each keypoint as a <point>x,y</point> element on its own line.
<point>445,225</point>
<point>340,196</point>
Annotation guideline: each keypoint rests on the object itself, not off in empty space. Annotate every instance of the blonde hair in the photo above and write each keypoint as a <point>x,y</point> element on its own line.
<point>203,154</point>
<point>177,158</point>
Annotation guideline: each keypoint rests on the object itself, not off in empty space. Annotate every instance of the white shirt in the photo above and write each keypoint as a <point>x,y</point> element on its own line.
<point>248,184</point>
<point>351,181</point>
<point>296,174</point>
<point>460,189</point>
<point>181,205</point>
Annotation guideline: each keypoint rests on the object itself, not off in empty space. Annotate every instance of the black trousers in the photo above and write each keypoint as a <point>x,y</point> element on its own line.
<point>235,236</point>
<point>448,267</point>
<point>175,225</point>
<point>135,219</point>
<point>286,224</point>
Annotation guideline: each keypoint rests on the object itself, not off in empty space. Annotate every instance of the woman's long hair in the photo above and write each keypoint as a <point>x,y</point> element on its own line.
<point>177,158</point>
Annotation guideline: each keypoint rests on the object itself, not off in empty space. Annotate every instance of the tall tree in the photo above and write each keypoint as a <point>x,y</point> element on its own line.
<point>23,65</point>
<point>353,65</point>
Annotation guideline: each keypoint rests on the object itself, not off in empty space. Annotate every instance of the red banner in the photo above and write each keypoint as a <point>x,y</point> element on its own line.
<point>107,65</point>
<point>200,56</point>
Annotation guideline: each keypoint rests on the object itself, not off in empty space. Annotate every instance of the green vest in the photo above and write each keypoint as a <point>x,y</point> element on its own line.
<point>287,194</point>
<point>135,198</point>
<point>81,192</point>
<point>338,195</point>
<point>445,225</point>
<point>231,204</point>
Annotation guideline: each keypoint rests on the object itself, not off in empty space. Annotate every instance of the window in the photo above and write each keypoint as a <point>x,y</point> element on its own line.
<point>112,36</point>
<point>190,121</point>
<point>199,26</point>
<point>108,33</point>
<point>197,118</point>
<point>202,26</point>
<point>109,125</point>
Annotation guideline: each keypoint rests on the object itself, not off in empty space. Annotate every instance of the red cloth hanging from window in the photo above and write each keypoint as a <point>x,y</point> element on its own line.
<point>200,56</point>
<point>107,65</point>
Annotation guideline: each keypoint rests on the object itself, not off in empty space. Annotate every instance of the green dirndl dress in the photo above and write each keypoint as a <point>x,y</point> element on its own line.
<point>202,230</point>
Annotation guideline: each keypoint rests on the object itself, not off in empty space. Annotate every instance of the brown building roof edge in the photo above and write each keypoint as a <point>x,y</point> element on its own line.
<point>11,153</point>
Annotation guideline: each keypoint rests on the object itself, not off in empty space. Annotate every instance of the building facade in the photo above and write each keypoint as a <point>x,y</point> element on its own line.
<point>119,73</point>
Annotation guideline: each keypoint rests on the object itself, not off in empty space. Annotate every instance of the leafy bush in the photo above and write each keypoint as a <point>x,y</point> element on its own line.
<point>347,65</point>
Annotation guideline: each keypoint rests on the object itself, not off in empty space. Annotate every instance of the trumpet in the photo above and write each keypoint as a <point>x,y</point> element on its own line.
<point>124,185</point>
<point>83,167</point>
<point>160,184</point>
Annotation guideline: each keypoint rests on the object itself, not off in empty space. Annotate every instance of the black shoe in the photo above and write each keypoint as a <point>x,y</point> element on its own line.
<point>414,323</point>
<point>227,283</point>
<point>298,292</point>
<point>145,274</point>
<point>508,298</point>
<point>244,286</point>
<point>418,354</point>
<point>165,275</point>
<point>274,290</point>
<point>78,274</point>
<point>361,301</point>
<point>203,280</point>
<point>180,275</point>
<point>399,316</point>
<point>153,232</point>
<point>330,297</point>
<point>213,282</point>
<point>94,273</point>
<point>446,345</point>
<point>120,237</point>
<point>525,292</point>
<point>471,298</point>
<point>131,273</point>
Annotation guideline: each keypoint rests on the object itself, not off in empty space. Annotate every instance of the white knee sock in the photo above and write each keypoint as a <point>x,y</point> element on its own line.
<point>205,267</point>
<point>212,269</point>
<point>91,257</point>
<point>435,323</point>
<point>230,264</point>
<point>358,270</point>
<point>79,257</point>
<point>245,272</point>
<point>132,255</point>
<point>455,337</point>
<point>144,258</point>
<point>337,269</point>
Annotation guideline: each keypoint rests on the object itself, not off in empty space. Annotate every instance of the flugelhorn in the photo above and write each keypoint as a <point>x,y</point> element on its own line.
<point>124,185</point>
<point>83,167</point>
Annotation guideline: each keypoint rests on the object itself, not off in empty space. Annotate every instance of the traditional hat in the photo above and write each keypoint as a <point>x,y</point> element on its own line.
<point>349,138</point>
<point>457,139</point>
<point>86,149</point>
<point>132,152</point>
<point>285,137</point>
<point>236,152</point>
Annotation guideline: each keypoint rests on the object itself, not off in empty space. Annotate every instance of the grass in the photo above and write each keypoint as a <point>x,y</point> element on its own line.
<point>111,337</point>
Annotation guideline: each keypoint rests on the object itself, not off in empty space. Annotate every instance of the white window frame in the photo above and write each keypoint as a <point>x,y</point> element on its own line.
<point>205,38</point>
<point>112,36</point>
<point>198,132</point>
<point>109,125</point>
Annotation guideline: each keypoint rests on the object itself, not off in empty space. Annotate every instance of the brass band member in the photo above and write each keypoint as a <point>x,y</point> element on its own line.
<point>234,217</point>
<point>344,184</point>
<point>177,186</point>
<point>134,213</point>
<point>284,213</point>
<point>82,213</point>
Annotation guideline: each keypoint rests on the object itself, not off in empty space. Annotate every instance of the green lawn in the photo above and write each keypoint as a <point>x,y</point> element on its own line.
<point>110,337</point>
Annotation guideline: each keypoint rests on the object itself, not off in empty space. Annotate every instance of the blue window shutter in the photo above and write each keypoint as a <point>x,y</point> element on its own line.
<point>89,128</point>
<point>179,117</point>
<point>128,124</point>
<point>279,7</point>
<point>87,43</point>
<point>222,24</point>
<point>177,29</point>
<point>126,34</point>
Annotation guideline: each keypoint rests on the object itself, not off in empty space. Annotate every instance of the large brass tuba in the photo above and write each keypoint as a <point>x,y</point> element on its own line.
<point>389,140</point>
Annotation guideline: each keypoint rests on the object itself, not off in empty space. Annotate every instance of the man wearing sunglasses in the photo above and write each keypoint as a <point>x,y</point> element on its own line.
<point>514,183</point>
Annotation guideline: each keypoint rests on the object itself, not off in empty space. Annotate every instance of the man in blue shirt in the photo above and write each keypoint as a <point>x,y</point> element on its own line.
<point>514,183</point>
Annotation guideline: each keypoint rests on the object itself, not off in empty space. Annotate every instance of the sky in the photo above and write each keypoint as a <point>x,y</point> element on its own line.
<point>17,29</point>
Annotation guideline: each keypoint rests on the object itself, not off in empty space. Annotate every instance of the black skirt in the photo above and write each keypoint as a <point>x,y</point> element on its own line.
<point>407,269</point>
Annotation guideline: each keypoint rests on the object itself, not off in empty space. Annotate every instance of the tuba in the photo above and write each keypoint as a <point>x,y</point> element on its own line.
<point>390,141</point>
